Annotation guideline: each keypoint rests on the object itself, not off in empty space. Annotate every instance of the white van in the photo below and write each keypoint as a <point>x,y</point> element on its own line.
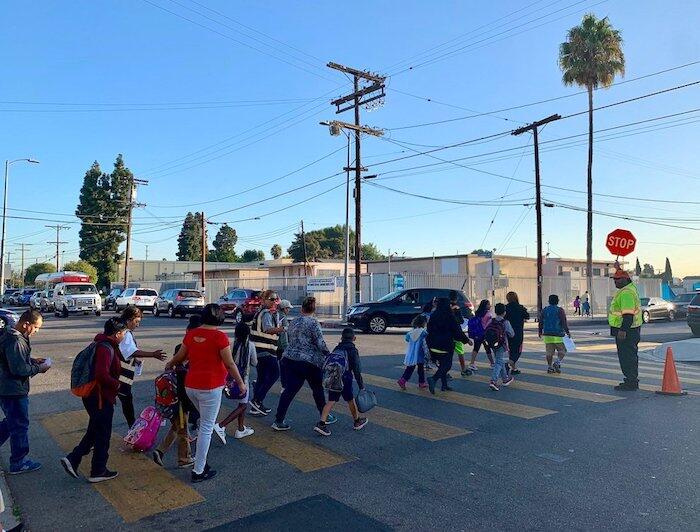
<point>72,293</point>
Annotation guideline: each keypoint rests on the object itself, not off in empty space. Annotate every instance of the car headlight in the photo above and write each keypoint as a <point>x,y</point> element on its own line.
<point>357,310</point>
<point>70,303</point>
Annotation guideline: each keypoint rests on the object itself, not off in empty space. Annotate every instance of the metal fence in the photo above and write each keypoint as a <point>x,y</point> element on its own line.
<point>377,285</point>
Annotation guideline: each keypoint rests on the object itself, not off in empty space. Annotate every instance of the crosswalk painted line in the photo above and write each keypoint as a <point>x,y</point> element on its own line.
<point>142,488</point>
<point>598,380</point>
<point>472,401</point>
<point>590,346</point>
<point>297,452</point>
<point>595,369</point>
<point>651,366</point>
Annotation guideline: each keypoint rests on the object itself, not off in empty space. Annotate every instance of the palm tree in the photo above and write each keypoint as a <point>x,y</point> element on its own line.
<point>591,57</point>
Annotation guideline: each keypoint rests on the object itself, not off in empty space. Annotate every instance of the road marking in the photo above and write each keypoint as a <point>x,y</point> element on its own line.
<point>425,429</point>
<point>591,346</point>
<point>298,453</point>
<point>472,401</point>
<point>142,488</point>
<point>651,366</point>
<point>573,365</point>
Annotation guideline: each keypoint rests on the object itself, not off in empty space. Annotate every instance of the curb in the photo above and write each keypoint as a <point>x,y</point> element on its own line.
<point>8,519</point>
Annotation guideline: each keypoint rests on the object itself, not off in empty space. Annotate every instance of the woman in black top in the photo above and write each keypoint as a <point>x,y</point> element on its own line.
<point>516,314</point>
<point>443,331</point>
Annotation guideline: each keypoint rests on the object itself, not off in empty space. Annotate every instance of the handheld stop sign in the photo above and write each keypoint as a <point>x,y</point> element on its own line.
<point>620,242</point>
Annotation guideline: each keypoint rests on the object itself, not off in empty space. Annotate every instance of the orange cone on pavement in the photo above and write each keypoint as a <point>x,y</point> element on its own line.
<point>670,385</point>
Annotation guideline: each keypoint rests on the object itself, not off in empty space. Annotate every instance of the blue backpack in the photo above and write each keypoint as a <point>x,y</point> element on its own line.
<point>475,328</point>
<point>334,368</point>
<point>551,321</point>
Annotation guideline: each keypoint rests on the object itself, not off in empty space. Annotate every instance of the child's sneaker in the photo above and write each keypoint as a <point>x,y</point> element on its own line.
<point>493,386</point>
<point>322,429</point>
<point>550,369</point>
<point>509,381</point>
<point>422,385</point>
<point>557,366</point>
<point>472,367</point>
<point>359,423</point>
<point>402,383</point>
<point>466,372</point>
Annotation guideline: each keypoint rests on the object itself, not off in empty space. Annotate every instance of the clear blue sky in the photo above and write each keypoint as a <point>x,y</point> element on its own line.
<point>98,78</point>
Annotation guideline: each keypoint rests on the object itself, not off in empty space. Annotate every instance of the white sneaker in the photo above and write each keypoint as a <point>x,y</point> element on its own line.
<point>247,431</point>
<point>473,367</point>
<point>220,432</point>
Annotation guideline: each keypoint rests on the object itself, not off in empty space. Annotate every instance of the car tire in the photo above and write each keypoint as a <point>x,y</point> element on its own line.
<point>646,317</point>
<point>671,315</point>
<point>3,324</point>
<point>377,324</point>
<point>98,313</point>
<point>156,311</point>
<point>64,312</point>
<point>171,312</point>
<point>695,331</point>
<point>238,316</point>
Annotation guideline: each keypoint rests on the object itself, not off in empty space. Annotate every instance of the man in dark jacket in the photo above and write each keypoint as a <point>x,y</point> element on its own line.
<point>16,368</point>
<point>100,405</point>
<point>443,332</point>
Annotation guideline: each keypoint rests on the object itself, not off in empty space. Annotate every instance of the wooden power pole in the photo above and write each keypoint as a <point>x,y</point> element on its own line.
<point>131,204</point>
<point>58,243</point>
<point>203,272</point>
<point>538,199</point>
<point>373,91</point>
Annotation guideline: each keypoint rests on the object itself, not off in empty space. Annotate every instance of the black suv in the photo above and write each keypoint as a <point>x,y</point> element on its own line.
<point>398,308</point>
<point>694,315</point>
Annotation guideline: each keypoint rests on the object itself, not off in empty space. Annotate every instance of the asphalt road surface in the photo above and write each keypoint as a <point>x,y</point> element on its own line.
<point>548,453</point>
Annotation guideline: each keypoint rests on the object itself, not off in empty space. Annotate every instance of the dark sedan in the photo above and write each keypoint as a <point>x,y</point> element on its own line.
<point>8,318</point>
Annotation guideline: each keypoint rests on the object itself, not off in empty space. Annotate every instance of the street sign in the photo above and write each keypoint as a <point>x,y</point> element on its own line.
<point>620,242</point>
<point>320,284</point>
<point>399,282</point>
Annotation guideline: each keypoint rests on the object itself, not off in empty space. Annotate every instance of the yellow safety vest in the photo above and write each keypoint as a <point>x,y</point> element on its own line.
<point>625,301</point>
<point>265,343</point>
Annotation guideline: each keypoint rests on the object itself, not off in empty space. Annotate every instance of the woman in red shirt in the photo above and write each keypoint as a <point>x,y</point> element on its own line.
<point>208,351</point>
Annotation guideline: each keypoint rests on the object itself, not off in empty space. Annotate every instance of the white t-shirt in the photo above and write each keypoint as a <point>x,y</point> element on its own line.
<point>127,347</point>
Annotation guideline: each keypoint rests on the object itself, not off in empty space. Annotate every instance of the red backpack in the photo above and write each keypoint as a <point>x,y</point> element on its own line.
<point>166,394</point>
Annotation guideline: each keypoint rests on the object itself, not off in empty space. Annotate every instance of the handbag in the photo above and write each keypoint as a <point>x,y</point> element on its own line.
<point>569,344</point>
<point>366,400</point>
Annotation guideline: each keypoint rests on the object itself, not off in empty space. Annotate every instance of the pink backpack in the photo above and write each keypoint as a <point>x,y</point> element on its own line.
<point>142,435</point>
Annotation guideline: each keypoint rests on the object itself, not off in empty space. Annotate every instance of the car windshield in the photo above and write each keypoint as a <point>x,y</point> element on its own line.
<point>115,292</point>
<point>683,298</point>
<point>255,293</point>
<point>146,292</point>
<point>644,301</point>
<point>189,294</point>
<point>75,289</point>
<point>389,296</point>
<point>696,300</point>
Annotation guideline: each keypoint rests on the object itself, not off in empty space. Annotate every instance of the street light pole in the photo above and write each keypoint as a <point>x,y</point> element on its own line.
<point>4,218</point>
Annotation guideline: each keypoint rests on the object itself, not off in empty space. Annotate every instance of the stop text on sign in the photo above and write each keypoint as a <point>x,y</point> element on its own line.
<point>620,242</point>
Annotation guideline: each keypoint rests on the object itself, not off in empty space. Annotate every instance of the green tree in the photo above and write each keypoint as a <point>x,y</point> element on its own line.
<point>189,243</point>
<point>276,251</point>
<point>638,268</point>
<point>371,252</point>
<point>648,270</point>
<point>36,269</point>
<point>224,245</point>
<point>482,252</point>
<point>327,243</point>
<point>591,57</point>
<point>668,273</point>
<point>252,255</point>
<point>82,266</point>
<point>103,210</point>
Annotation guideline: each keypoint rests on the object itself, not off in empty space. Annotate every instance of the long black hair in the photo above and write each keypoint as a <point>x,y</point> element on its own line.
<point>482,310</point>
<point>442,309</point>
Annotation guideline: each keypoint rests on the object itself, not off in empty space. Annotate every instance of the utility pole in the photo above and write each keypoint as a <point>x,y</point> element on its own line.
<point>538,199</point>
<point>203,273</point>
<point>146,251</point>
<point>131,204</point>
<point>303,242</point>
<point>371,92</point>
<point>58,243</point>
<point>22,246</point>
<point>9,261</point>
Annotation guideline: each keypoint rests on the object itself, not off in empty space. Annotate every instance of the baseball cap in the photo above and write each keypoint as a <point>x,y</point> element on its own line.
<point>620,274</point>
<point>285,304</point>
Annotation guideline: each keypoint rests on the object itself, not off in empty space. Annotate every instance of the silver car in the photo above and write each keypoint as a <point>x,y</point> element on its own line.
<point>179,302</point>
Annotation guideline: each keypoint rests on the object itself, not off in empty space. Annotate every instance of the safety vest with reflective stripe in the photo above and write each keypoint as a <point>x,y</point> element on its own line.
<point>267,343</point>
<point>625,301</point>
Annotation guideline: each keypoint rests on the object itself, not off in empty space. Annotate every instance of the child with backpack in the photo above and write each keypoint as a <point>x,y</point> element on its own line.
<point>417,352</point>
<point>552,328</point>
<point>95,378</point>
<point>245,356</point>
<point>496,337</point>
<point>345,349</point>
<point>476,327</point>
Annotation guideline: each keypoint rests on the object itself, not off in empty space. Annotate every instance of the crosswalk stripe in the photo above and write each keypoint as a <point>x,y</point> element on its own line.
<point>298,453</point>
<point>591,346</point>
<point>472,401</point>
<point>652,366</point>
<point>600,380</point>
<point>425,429</point>
<point>573,365</point>
<point>142,488</point>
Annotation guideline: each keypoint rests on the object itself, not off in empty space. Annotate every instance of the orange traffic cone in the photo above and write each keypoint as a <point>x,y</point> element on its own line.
<point>670,385</point>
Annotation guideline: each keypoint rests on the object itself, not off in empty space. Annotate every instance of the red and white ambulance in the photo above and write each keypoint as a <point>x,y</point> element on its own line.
<point>73,293</point>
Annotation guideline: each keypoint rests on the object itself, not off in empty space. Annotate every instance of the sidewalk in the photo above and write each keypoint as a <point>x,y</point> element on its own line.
<point>8,519</point>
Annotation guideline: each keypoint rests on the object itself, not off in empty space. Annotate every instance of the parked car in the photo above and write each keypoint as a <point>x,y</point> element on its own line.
<point>143,298</point>
<point>111,299</point>
<point>7,296</point>
<point>8,318</point>
<point>398,308</point>
<point>681,302</point>
<point>179,302</point>
<point>35,299</point>
<point>694,315</point>
<point>23,296</point>
<point>240,304</point>
<point>46,302</point>
<point>656,308</point>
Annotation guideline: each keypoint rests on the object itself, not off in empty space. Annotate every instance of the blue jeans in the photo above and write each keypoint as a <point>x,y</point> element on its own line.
<point>15,426</point>
<point>268,373</point>
<point>499,365</point>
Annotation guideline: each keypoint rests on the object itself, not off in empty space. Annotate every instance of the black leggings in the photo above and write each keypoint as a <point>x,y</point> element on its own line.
<point>444,363</point>
<point>295,373</point>
<point>127,400</point>
<point>409,371</point>
<point>515,345</point>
